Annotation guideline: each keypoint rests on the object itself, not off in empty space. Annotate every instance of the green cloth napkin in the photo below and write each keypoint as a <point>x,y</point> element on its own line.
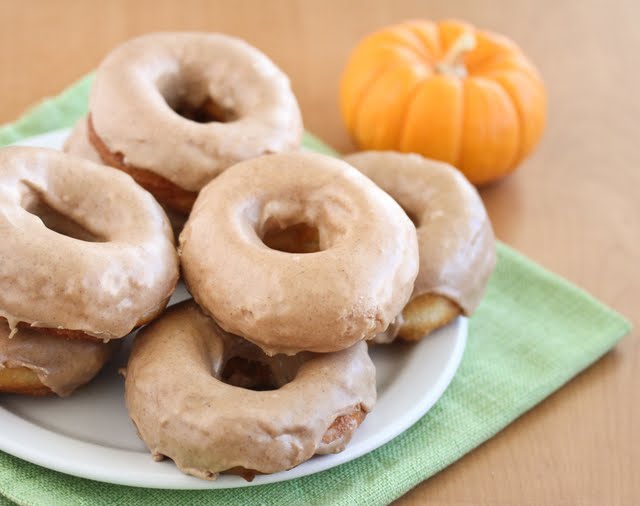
<point>532,333</point>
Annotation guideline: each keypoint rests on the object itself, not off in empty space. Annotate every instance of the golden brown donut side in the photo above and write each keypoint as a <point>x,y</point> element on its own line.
<point>426,313</point>
<point>22,381</point>
<point>455,238</point>
<point>183,411</point>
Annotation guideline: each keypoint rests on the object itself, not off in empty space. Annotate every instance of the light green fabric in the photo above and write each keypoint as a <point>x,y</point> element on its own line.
<point>533,332</point>
<point>50,114</point>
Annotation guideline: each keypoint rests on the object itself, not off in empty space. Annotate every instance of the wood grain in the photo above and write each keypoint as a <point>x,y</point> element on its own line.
<point>574,206</point>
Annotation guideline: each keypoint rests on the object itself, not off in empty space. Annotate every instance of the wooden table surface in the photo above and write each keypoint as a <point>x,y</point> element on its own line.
<point>574,206</point>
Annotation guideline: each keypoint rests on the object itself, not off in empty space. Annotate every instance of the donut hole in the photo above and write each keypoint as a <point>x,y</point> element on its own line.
<point>34,203</point>
<point>207,111</point>
<point>297,238</point>
<point>250,374</point>
<point>259,373</point>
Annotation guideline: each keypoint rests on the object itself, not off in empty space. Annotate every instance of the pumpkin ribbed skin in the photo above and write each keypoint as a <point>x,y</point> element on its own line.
<point>394,96</point>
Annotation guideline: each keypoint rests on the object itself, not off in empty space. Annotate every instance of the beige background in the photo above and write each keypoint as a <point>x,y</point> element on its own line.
<point>574,206</point>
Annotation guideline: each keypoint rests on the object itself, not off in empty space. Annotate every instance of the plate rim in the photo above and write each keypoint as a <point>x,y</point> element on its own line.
<point>14,446</point>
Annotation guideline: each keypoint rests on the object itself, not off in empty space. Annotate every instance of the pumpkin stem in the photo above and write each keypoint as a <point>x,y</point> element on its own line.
<point>450,63</point>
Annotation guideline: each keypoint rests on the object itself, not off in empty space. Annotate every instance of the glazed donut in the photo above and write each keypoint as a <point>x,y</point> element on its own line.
<point>86,251</point>
<point>78,144</point>
<point>34,363</point>
<point>349,290</point>
<point>455,238</point>
<point>186,398</point>
<point>176,109</point>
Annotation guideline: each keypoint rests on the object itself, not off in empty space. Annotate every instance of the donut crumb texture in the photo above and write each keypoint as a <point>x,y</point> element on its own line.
<point>22,381</point>
<point>426,313</point>
<point>344,424</point>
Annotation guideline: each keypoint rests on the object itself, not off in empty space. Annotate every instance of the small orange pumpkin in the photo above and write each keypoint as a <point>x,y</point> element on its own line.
<point>447,91</point>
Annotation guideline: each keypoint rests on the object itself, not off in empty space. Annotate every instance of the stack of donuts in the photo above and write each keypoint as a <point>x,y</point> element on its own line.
<point>295,261</point>
<point>87,256</point>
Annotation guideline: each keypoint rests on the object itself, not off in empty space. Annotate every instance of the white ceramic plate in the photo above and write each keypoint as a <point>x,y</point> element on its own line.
<point>90,435</point>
